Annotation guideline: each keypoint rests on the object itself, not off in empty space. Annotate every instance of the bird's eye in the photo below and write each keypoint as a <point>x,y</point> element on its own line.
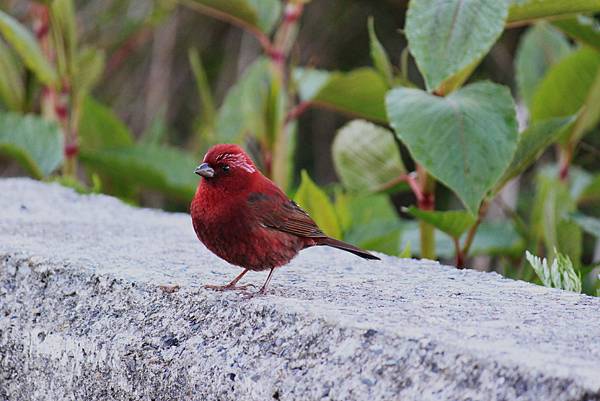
<point>225,168</point>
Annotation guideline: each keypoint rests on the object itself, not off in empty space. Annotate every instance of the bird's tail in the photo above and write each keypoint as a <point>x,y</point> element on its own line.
<point>347,247</point>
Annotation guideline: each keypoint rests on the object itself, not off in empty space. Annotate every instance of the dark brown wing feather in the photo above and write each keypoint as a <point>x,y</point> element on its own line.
<point>280,213</point>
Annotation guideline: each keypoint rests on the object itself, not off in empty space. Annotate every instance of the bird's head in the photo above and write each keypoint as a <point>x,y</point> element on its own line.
<point>226,165</point>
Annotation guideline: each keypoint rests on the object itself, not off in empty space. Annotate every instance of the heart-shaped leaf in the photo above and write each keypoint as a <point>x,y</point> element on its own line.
<point>454,222</point>
<point>366,157</point>
<point>36,143</point>
<point>359,92</point>
<point>466,140</point>
<point>540,48</point>
<point>446,36</point>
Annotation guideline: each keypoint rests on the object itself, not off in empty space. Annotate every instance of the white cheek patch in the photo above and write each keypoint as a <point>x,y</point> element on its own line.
<point>237,160</point>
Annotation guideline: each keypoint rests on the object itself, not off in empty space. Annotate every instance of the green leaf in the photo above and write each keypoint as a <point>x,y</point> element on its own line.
<point>582,28</point>
<point>465,140</point>
<point>569,85</point>
<point>380,58</point>
<point>12,88</point>
<point>161,168</point>
<point>261,14</point>
<point>366,157</point>
<point>374,223</point>
<point>532,143</point>
<point>493,238</point>
<point>100,128</point>
<point>497,238</point>
<point>550,222</point>
<point>36,143</point>
<point>591,192</point>
<point>526,10</point>
<point>90,66</point>
<point>244,110</point>
<point>315,202</point>
<point>454,222</point>
<point>359,92</point>
<point>560,274</point>
<point>26,46</point>
<point>540,48</point>
<point>207,101</point>
<point>446,36</point>
<point>405,253</point>
<point>63,26</point>
<point>590,225</point>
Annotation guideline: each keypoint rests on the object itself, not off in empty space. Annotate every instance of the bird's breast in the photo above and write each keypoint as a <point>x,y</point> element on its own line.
<point>232,232</point>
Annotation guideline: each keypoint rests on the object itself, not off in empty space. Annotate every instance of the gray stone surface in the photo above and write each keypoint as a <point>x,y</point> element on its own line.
<point>82,317</point>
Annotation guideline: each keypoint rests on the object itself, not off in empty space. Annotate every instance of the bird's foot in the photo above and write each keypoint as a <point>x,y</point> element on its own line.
<point>228,287</point>
<point>169,288</point>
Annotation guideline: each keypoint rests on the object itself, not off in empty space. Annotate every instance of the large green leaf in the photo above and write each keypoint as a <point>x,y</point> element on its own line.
<point>466,140</point>
<point>12,88</point>
<point>26,46</point>
<point>160,168</point>
<point>316,203</point>
<point>261,14</point>
<point>366,157</point>
<point>590,225</point>
<point>372,222</point>
<point>36,143</point>
<point>583,28</point>
<point>532,142</point>
<point>359,92</point>
<point>525,10</point>
<point>570,84</point>
<point>446,36</point>
<point>380,58</point>
<point>100,128</point>
<point>540,47</point>
<point>244,109</point>
<point>454,222</point>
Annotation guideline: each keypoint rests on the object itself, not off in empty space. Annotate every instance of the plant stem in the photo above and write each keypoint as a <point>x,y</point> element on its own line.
<point>279,52</point>
<point>473,230</point>
<point>427,202</point>
<point>565,158</point>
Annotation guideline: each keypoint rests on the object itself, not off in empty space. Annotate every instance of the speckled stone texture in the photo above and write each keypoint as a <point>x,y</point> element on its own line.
<point>82,317</point>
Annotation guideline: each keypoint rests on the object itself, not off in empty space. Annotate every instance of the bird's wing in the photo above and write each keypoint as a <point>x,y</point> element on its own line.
<point>280,213</point>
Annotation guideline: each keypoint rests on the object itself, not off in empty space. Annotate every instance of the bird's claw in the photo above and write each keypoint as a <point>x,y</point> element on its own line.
<point>228,287</point>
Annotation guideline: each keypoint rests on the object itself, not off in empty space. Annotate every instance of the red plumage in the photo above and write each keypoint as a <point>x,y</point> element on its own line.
<point>244,218</point>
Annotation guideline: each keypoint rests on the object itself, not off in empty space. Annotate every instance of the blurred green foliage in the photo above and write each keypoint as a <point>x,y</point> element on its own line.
<point>492,168</point>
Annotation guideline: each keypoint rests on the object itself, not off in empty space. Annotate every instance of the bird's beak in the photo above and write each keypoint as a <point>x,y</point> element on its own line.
<point>205,170</point>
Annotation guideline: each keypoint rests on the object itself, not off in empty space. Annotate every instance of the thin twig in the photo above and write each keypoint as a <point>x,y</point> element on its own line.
<point>262,38</point>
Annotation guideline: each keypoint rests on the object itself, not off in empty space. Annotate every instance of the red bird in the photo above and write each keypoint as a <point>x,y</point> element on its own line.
<point>244,218</point>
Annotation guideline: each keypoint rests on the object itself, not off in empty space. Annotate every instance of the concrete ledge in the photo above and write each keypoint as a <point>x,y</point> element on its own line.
<point>82,317</point>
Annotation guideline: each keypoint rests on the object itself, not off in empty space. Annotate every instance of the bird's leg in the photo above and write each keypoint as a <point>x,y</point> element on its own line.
<point>232,285</point>
<point>263,290</point>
